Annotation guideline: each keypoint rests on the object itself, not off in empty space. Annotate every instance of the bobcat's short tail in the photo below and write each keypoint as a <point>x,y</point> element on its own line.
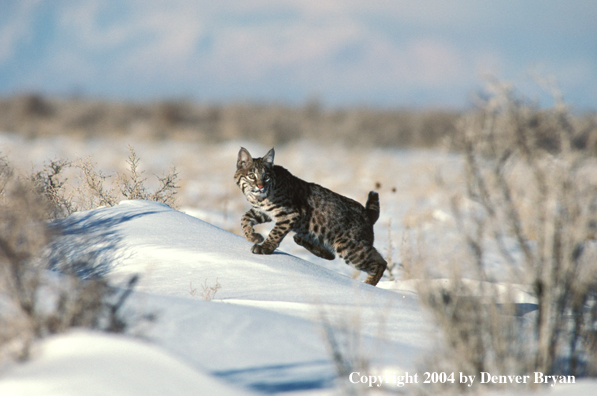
<point>372,207</point>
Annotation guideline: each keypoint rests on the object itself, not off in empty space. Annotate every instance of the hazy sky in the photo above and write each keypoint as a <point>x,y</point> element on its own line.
<point>381,52</point>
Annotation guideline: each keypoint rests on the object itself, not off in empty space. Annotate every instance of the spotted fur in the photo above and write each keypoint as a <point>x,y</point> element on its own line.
<point>325,223</point>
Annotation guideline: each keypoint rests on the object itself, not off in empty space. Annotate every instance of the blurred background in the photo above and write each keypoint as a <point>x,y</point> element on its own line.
<point>331,84</point>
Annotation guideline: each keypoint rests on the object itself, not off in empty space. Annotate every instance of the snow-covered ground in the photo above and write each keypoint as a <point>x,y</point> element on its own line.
<point>263,330</point>
<point>85,363</point>
<point>407,180</point>
<point>228,322</point>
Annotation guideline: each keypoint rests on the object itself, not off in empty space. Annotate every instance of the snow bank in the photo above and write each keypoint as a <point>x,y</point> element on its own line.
<point>263,331</point>
<point>86,363</point>
<point>264,328</point>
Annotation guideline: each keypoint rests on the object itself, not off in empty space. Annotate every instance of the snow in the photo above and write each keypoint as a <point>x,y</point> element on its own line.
<point>86,363</point>
<point>263,330</point>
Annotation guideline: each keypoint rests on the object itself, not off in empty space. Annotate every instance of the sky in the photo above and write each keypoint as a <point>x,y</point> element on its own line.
<point>383,53</point>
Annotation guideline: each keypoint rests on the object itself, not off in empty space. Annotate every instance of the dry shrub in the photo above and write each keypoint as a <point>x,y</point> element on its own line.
<point>95,190</point>
<point>51,183</point>
<point>23,235</point>
<point>545,129</point>
<point>92,190</point>
<point>52,265</point>
<point>530,205</point>
<point>35,302</point>
<point>132,186</point>
<point>345,344</point>
<point>89,188</point>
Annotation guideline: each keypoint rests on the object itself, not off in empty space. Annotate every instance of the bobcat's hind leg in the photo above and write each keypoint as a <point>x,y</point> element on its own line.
<point>314,247</point>
<point>366,258</point>
<point>376,270</point>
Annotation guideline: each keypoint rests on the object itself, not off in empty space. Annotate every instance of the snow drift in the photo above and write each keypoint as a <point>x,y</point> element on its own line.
<point>264,329</point>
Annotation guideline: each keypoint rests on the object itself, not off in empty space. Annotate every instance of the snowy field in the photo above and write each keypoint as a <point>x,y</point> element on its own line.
<point>407,180</point>
<point>228,322</point>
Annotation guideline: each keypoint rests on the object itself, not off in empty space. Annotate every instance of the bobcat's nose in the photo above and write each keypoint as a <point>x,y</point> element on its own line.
<point>260,186</point>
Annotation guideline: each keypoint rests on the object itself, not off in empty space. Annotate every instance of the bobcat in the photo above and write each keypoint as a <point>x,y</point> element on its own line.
<point>325,223</point>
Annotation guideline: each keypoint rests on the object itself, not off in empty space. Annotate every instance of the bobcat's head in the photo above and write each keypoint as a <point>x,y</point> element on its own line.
<point>255,176</point>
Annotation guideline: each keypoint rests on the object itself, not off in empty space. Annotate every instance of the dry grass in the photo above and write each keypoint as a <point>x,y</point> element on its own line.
<point>344,342</point>
<point>34,116</point>
<point>269,124</point>
<point>392,265</point>
<point>209,291</point>
<point>530,203</point>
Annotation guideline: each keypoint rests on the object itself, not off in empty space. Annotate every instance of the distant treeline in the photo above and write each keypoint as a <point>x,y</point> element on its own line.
<point>36,115</point>
<point>270,124</point>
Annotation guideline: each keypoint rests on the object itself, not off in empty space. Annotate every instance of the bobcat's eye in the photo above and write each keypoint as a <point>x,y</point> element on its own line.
<point>252,176</point>
<point>266,178</point>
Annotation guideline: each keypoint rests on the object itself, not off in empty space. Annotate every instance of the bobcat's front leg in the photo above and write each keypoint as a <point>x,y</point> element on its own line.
<point>249,220</point>
<point>280,230</point>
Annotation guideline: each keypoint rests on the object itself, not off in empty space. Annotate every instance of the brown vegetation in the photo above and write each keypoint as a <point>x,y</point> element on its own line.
<point>270,124</point>
<point>273,124</point>
<point>530,203</point>
<point>33,302</point>
<point>35,238</point>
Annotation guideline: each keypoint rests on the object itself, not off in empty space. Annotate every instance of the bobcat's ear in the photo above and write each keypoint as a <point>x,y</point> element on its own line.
<point>269,157</point>
<point>244,158</point>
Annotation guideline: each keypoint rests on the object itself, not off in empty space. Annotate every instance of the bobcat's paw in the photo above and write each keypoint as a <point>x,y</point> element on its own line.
<point>262,249</point>
<point>255,238</point>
